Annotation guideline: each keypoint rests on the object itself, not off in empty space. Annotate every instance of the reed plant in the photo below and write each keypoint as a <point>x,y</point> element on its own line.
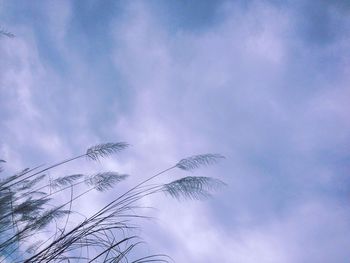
<point>29,205</point>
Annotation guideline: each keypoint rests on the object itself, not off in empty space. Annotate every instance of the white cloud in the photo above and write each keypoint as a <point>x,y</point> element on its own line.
<point>228,78</point>
<point>309,232</point>
<point>230,88</point>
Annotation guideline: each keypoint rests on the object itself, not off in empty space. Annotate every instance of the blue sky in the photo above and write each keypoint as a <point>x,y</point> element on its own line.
<point>265,83</point>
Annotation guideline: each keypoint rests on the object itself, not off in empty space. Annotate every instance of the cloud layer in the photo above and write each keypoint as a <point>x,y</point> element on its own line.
<point>264,83</point>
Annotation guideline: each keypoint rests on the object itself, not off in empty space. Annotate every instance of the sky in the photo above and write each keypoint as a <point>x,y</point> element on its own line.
<point>264,83</point>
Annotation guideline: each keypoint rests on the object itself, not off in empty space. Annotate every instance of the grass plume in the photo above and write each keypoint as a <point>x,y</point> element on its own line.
<point>28,206</point>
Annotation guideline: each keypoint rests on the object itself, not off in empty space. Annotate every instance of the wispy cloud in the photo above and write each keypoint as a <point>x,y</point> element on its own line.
<point>264,84</point>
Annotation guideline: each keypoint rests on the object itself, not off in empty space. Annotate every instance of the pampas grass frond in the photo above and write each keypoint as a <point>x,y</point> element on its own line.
<point>105,149</point>
<point>6,33</point>
<point>30,206</point>
<point>106,180</point>
<point>44,219</point>
<point>1,168</point>
<point>192,187</point>
<point>65,180</point>
<point>197,161</point>
<point>26,208</point>
<point>27,184</point>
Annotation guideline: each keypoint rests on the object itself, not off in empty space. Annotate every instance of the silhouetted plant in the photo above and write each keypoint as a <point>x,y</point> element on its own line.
<point>27,207</point>
<point>4,32</point>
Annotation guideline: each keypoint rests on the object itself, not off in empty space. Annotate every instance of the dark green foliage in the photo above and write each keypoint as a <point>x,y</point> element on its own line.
<point>28,206</point>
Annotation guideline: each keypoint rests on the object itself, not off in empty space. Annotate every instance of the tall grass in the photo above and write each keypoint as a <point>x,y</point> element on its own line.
<point>29,206</point>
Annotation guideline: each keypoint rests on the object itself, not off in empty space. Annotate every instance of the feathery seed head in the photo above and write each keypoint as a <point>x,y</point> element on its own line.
<point>105,149</point>
<point>196,161</point>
